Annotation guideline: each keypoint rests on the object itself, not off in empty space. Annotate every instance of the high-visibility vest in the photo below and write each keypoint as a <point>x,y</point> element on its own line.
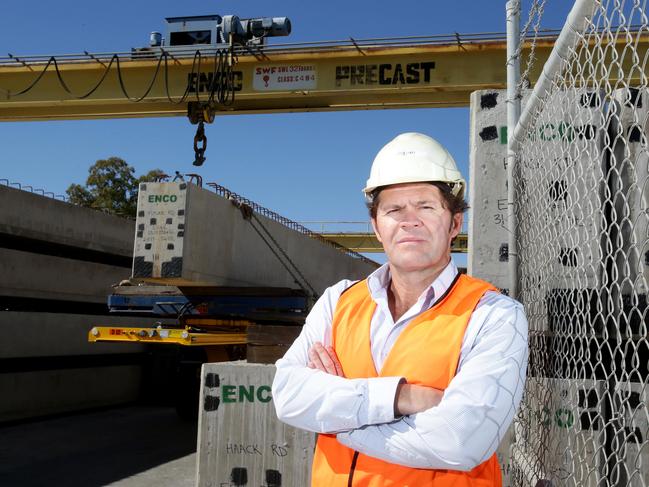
<point>427,353</point>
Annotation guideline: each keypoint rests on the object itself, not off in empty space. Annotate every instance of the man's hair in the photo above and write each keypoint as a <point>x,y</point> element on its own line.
<point>453,203</point>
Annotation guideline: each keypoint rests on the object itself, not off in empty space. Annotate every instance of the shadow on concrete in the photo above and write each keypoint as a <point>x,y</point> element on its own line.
<point>92,449</point>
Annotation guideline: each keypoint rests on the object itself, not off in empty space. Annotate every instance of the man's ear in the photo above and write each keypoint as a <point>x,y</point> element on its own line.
<point>376,232</point>
<point>456,224</point>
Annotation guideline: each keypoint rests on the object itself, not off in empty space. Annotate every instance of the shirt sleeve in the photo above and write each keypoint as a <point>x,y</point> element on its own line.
<point>465,428</point>
<point>316,401</point>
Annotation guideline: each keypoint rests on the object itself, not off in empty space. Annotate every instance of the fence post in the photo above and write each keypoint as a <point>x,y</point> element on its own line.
<point>513,9</point>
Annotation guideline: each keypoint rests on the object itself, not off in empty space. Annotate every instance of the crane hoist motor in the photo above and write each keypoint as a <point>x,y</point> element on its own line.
<point>215,35</point>
<point>215,31</point>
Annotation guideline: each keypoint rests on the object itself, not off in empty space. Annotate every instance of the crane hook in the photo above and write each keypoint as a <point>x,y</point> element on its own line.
<point>200,151</point>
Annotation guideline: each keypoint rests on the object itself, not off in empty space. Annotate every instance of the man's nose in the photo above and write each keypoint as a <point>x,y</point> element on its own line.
<point>409,218</point>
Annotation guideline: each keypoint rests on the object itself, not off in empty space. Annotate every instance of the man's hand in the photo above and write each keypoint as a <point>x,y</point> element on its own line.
<point>411,399</point>
<point>324,359</point>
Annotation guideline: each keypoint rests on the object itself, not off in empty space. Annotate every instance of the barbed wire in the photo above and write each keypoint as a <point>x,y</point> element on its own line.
<point>536,10</point>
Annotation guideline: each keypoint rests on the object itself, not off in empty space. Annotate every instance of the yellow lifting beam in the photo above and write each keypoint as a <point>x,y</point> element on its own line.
<point>289,79</point>
<point>365,242</point>
<point>175,336</point>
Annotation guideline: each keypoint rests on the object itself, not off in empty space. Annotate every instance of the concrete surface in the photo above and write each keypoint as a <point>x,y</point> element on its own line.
<point>240,435</point>
<point>131,446</point>
<point>38,382</point>
<point>36,393</point>
<point>34,216</point>
<point>217,246</point>
<point>56,334</point>
<point>32,275</point>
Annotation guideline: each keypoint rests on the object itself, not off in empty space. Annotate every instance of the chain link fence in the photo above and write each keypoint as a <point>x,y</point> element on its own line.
<point>582,210</point>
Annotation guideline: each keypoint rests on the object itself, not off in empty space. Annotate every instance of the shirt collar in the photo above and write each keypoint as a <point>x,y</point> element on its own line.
<point>379,280</point>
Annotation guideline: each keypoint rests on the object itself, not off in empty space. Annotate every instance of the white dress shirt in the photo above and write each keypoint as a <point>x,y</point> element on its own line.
<point>461,432</point>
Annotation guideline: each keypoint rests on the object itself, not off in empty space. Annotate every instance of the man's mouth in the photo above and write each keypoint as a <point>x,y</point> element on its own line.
<point>409,240</point>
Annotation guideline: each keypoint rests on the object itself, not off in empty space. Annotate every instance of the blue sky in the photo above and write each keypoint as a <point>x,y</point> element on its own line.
<point>308,166</point>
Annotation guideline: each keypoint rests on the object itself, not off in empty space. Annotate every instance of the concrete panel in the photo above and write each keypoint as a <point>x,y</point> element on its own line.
<point>634,396</point>
<point>240,439</point>
<point>571,134</point>
<point>186,234</point>
<point>56,391</point>
<point>58,334</point>
<point>563,431</point>
<point>34,216</point>
<point>488,237</point>
<point>628,180</point>
<point>32,275</point>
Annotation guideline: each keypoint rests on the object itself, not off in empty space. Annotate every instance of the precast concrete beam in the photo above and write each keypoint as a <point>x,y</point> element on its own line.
<point>46,392</point>
<point>187,235</point>
<point>32,216</point>
<point>30,275</point>
<point>27,334</point>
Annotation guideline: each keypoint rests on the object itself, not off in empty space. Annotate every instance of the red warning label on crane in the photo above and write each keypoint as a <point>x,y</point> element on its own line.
<point>285,77</point>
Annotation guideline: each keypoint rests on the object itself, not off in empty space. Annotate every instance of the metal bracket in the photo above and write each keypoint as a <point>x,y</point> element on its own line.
<point>200,112</point>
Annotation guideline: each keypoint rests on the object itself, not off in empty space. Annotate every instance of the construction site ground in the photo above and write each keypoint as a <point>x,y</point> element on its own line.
<point>130,446</point>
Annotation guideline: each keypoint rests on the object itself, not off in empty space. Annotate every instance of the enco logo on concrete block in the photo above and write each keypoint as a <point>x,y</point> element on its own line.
<point>162,198</point>
<point>232,393</point>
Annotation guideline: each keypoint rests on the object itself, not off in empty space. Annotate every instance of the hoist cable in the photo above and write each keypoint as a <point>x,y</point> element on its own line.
<point>221,87</point>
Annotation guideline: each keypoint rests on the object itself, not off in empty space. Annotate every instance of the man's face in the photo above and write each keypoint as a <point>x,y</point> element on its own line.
<point>415,227</point>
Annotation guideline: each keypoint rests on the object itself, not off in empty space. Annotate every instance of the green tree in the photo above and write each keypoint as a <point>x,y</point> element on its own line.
<point>111,186</point>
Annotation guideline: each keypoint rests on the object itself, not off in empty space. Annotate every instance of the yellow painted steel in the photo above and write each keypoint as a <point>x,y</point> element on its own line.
<point>346,78</point>
<point>164,336</point>
<point>399,76</point>
<point>367,242</point>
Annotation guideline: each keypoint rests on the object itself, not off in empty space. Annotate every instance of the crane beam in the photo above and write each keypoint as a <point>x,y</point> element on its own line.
<point>293,78</point>
<point>298,79</point>
<point>367,243</point>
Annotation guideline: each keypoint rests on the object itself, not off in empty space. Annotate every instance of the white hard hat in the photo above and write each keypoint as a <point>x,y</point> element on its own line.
<point>414,158</point>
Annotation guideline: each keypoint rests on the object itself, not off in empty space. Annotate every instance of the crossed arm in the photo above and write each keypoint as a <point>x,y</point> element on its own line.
<point>409,398</point>
<point>456,430</point>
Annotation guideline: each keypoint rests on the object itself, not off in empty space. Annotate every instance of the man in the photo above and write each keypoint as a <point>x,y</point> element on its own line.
<point>414,374</point>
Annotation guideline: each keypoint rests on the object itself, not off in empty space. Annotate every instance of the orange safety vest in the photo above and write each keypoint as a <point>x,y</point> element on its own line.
<point>427,353</point>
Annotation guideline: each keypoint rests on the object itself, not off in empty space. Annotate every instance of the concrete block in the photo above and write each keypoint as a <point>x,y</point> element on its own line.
<point>59,334</point>
<point>241,441</point>
<point>31,275</point>
<point>38,217</point>
<point>30,394</point>
<point>628,181</point>
<point>562,436</point>
<point>192,236</point>
<point>488,236</point>
<point>505,458</point>
<point>633,431</point>
<point>567,180</point>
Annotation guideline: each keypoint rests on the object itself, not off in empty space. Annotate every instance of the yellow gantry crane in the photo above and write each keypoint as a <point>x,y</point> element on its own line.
<point>439,71</point>
<point>414,72</point>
